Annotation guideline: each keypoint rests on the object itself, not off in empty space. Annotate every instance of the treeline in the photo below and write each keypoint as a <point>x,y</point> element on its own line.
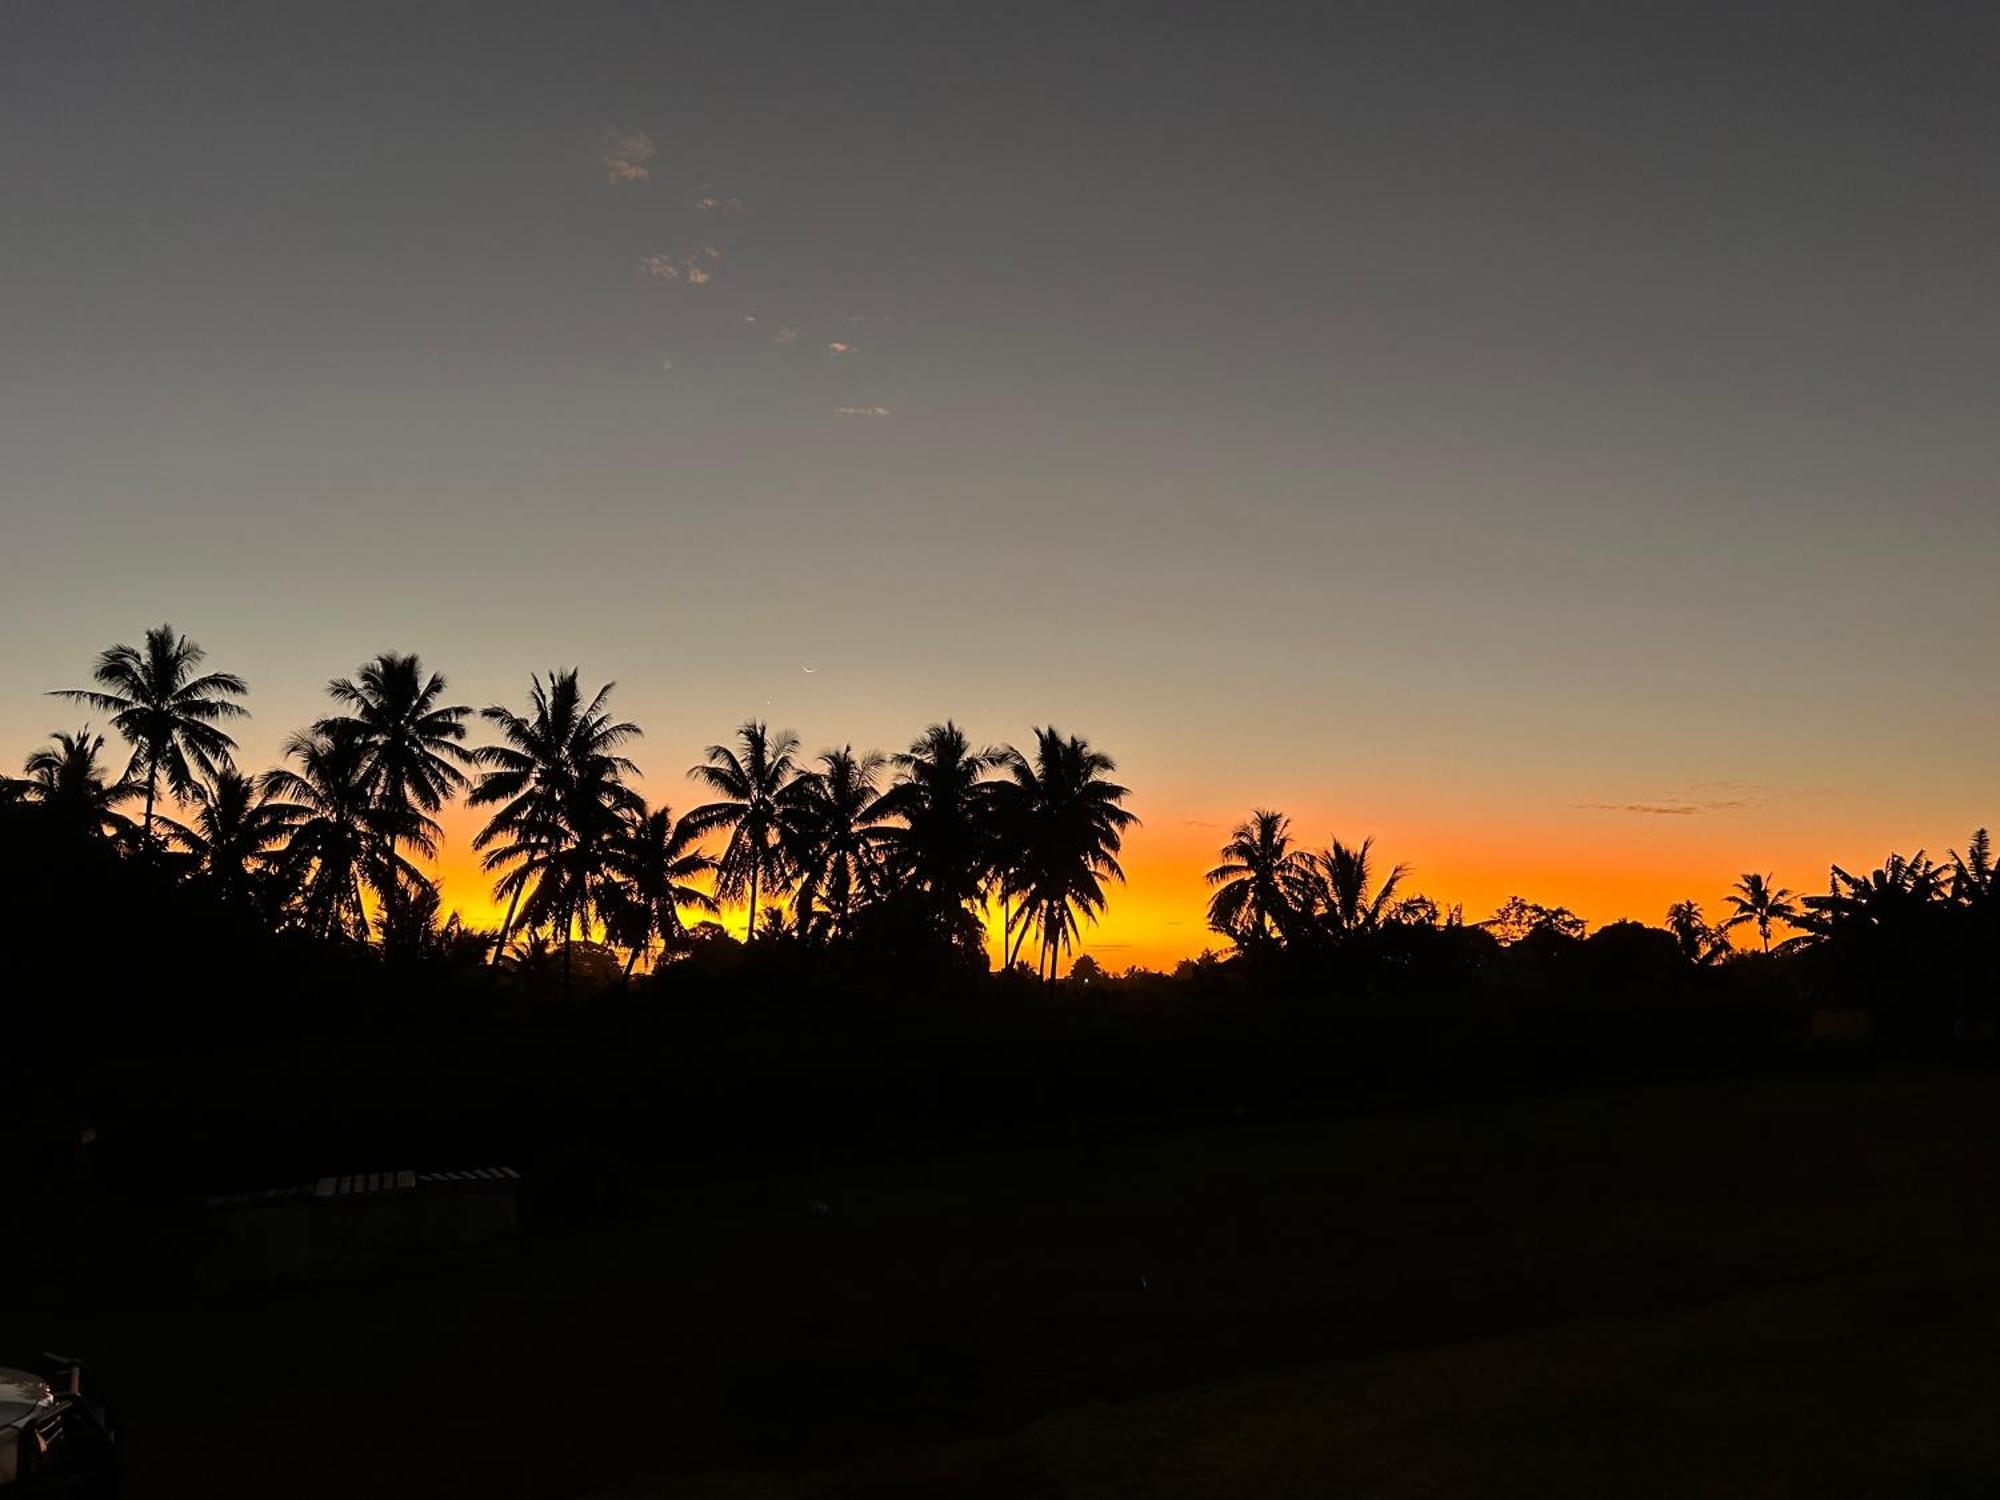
<point>1910,949</point>
<point>890,852</point>
<point>859,872</point>
<point>1271,896</point>
<point>193,948</point>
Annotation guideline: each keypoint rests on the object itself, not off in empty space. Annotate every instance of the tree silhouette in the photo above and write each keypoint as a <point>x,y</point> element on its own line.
<point>1345,898</point>
<point>749,779</point>
<point>649,867</point>
<point>1259,882</point>
<point>339,840</point>
<point>1755,899</point>
<point>557,782</point>
<point>1072,826</point>
<point>166,712</point>
<point>833,828</point>
<point>68,778</point>
<point>1519,919</point>
<point>1892,896</point>
<point>1975,878</point>
<point>411,744</point>
<point>944,851</point>
<point>1698,942</point>
<point>238,822</point>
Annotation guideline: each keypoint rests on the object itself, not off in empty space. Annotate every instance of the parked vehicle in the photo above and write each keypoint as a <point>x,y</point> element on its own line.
<point>57,1436</point>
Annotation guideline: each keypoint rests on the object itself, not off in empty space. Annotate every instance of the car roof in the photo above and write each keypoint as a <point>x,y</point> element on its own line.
<point>22,1395</point>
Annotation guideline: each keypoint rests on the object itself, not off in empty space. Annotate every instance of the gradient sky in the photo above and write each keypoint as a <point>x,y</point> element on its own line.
<point>1561,441</point>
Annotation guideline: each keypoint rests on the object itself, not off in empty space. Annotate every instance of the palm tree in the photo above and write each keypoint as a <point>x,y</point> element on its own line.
<point>166,712</point>
<point>648,869</point>
<point>238,822</point>
<point>750,783</point>
<point>67,777</point>
<point>1257,883</point>
<point>1345,896</point>
<point>832,825</point>
<point>1699,943</point>
<point>557,781</point>
<point>411,743</point>
<point>1756,900</point>
<point>942,852</point>
<point>1975,876</point>
<point>340,841</point>
<point>1072,825</point>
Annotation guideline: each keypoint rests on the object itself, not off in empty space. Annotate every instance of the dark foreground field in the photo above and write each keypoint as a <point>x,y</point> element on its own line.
<point>1768,1288</point>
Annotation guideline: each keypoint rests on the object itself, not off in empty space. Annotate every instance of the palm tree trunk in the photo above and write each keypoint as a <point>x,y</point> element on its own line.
<point>569,935</point>
<point>152,794</point>
<point>507,926</point>
<point>389,899</point>
<point>750,933</point>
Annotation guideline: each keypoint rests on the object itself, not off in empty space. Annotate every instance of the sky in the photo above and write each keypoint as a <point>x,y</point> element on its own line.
<point>1559,441</point>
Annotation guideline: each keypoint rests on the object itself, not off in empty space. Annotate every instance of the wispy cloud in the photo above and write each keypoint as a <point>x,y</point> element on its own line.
<point>861,411</point>
<point>837,347</point>
<point>728,208</point>
<point>693,269</point>
<point>1672,809</point>
<point>786,334</point>
<point>623,154</point>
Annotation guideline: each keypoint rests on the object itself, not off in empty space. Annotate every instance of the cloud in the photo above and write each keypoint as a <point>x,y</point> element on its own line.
<point>729,208</point>
<point>861,411</point>
<point>693,269</point>
<point>786,334</point>
<point>1671,809</point>
<point>623,154</point>
<point>837,347</point>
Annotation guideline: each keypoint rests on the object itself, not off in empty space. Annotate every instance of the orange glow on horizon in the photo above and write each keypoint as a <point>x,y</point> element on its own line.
<point>1603,865</point>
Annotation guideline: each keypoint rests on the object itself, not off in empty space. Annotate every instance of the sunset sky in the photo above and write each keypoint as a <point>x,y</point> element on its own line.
<point>1561,441</point>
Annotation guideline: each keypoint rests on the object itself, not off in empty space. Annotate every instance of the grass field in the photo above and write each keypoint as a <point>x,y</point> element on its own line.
<point>1775,1288</point>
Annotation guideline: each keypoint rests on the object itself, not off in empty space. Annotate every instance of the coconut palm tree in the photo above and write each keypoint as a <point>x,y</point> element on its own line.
<point>238,822</point>
<point>339,840</point>
<point>749,779</point>
<point>649,869</point>
<point>69,779</point>
<point>1699,943</point>
<point>1344,895</point>
<point>1072,825</point>
<point>557,783</point>
<point>412,743</point>
<point>943,850</point>
<point>833,828</point>
<point>1258,882</point>
<point>1755,899</point>
<point>166,711</point>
